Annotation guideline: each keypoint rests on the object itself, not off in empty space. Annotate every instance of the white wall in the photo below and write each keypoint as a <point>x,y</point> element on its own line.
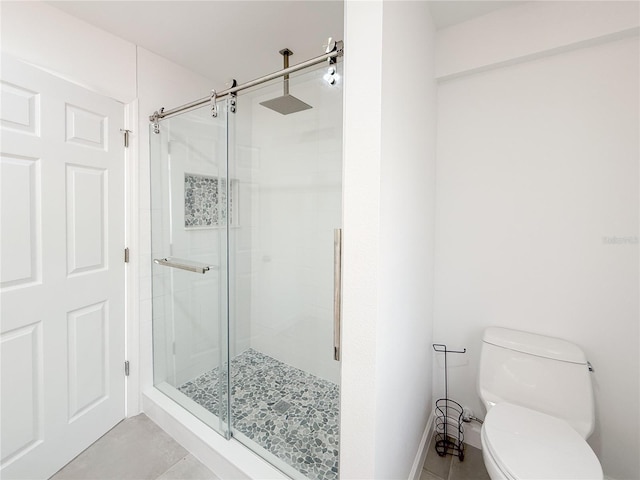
<point>537,169</point>
<point>361,223</point>
<point>407,210</point>
<point>389,221</point>
<point>50,39</point>
<point>532,29</point>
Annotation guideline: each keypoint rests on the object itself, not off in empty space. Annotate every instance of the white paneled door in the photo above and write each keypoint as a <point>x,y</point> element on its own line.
<point>62,319</point>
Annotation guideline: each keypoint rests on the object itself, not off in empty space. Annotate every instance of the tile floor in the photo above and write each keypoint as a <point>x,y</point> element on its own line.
<point>289,412</point>
<point>135,449</point>
<point>451,468</point>
<point>145,452</point>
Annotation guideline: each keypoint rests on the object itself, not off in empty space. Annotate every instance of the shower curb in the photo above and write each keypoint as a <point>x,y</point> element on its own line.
<point>227,459</point>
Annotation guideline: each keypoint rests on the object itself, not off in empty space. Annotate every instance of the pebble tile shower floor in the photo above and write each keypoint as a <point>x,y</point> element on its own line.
<point>290,413</point>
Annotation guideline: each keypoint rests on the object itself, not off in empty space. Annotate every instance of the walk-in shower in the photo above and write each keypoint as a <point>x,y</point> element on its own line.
<point>246,215</point>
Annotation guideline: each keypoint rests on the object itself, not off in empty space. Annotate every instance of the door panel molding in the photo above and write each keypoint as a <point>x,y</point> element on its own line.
<point>62,286</point>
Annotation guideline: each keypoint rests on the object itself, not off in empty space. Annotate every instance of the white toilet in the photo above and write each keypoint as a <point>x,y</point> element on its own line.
<point>539,400</point>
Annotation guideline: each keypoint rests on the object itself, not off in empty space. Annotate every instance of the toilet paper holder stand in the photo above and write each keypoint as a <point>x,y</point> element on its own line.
<point>449,432</point>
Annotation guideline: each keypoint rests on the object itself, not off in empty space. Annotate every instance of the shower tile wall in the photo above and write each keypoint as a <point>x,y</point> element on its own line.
<point>290,413</point>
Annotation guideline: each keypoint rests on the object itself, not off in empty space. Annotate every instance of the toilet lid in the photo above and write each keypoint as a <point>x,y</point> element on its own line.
<point>532,445</point>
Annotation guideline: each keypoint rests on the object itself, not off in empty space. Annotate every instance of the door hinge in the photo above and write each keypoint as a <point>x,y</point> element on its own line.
<point>126,255</point>
<point>126,368</point>
<point>126,137</point>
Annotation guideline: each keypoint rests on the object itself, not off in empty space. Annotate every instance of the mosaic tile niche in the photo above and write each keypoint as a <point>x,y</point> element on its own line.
<point>288,412</point>
<point>204,201</point>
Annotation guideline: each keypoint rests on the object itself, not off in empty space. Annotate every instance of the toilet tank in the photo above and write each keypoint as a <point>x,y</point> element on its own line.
<point>546,374</point>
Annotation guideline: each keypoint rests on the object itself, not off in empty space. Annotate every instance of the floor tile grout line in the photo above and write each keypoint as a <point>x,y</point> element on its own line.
<point>173,465</point>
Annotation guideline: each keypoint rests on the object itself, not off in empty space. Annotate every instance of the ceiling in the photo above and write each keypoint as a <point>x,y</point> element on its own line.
<point>219,39</point>
<point>450,12</point>
<point>239,39</point>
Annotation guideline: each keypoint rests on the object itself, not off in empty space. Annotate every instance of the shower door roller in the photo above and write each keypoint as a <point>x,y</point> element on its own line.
<point>337,290</point>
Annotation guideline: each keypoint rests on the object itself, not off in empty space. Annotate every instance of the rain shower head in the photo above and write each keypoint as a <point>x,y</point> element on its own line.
<point>287,103</point>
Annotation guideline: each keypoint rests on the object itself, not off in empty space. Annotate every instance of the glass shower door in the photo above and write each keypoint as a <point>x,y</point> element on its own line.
<point>244,212</point>
<point>286,177</point>
<point>189,250</point>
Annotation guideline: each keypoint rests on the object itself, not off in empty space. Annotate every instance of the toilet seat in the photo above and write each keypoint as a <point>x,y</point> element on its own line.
<point>526,444</point>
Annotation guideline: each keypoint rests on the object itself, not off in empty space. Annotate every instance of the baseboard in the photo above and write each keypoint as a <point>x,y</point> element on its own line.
<point>421,455</point>
<point>472,436</point>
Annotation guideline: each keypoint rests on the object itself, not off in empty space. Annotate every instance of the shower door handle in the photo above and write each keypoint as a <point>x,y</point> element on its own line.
<point>337,291</point>
<point>182,265</point>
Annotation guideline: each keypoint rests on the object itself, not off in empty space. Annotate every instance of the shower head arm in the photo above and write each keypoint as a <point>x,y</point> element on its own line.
<point>286,53</point>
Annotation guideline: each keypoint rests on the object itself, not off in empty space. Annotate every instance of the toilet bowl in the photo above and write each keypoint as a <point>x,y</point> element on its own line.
<point>538,394</point>
<point>520,443</point>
